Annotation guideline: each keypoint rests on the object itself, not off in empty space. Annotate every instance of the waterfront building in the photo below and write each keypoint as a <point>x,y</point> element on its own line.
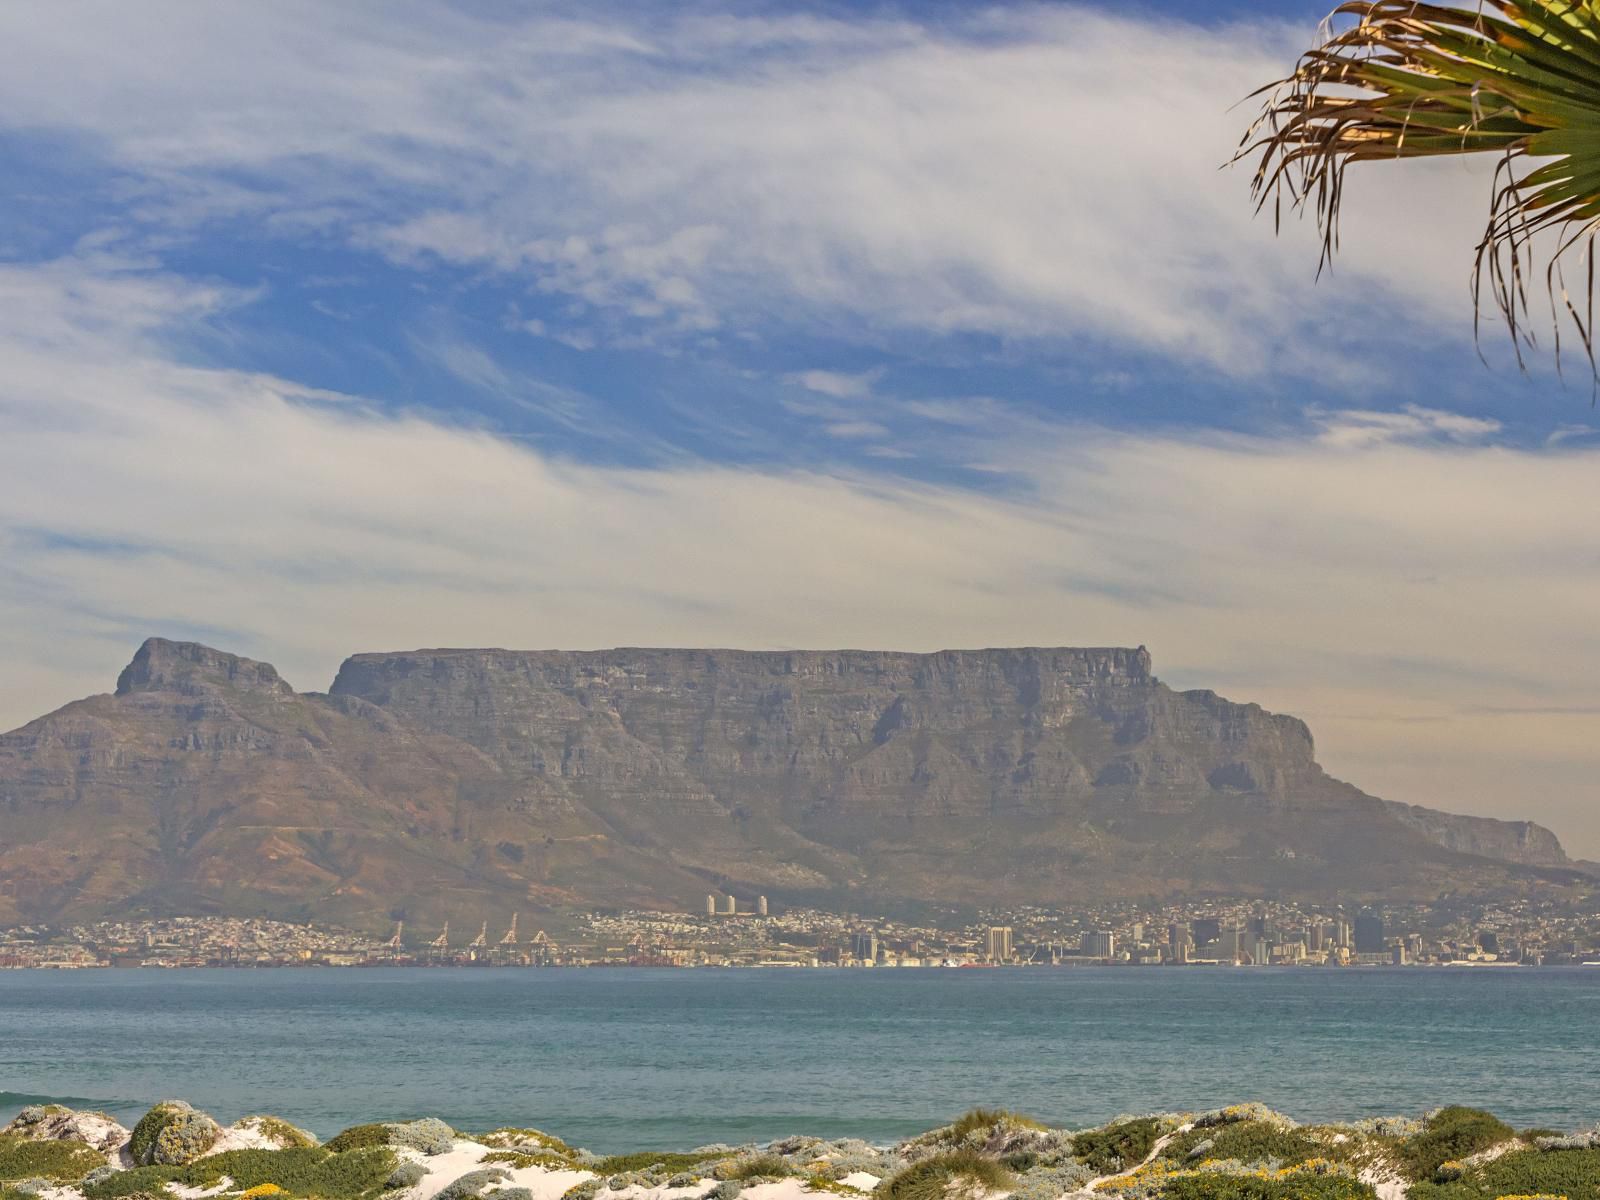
<point>998,944</point>
<point>1369,933</point>
<point>1098,943</point>
<point>1205,930</point>
<point>761,906</point>
<point>865,948</point>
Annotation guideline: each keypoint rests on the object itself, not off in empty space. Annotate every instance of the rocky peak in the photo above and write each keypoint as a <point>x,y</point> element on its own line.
<point>190,669</point>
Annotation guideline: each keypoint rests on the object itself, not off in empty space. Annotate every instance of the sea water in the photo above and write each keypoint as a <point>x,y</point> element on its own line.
<point>630,1059</point>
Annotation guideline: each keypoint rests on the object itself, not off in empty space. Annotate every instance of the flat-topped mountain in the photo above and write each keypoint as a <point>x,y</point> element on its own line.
<point>473,782</point>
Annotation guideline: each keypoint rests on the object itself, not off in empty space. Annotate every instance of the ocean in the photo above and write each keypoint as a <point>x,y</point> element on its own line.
<point>619,1059</point>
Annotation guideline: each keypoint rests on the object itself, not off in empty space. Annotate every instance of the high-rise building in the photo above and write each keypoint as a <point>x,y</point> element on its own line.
<point>1136,933</point>
<point>761,906</point>
<point>1205,929</point>
<point>865,948</point>
<point>1369,933</point>
<point>998,944</point>
<point>711,906</point>
<point>1314,937</point>
<point>1098,943</point>
<point>1342,935</point>
<point>730,906</point>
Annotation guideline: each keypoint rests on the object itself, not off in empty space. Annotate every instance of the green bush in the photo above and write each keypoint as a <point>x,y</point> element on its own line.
<point>59,1162</point>
<point>1248,1142</point>
<point>988,1118</point>
<point>171,1134</point>
<point>304,1171</point>
<point>1302,1185</point>
<point>1450,1134</point>
<point>931,1179</point>
<point>759,1167</point>
<point>1571,1173</point>
<point>619,1164</point>
<point>1117,1147</point>
<point>136,1182</point>
<point>360,1137</point>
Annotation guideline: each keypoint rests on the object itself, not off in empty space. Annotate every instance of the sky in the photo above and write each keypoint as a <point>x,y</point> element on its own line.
<point>338,328</point>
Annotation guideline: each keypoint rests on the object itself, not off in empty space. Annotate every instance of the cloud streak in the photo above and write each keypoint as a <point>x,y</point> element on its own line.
<point>1028,173</point>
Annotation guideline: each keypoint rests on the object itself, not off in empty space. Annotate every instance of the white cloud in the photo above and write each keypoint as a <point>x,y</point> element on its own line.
<point>1433,583</point>
<point>1034,172</point>
<point>841,385</point>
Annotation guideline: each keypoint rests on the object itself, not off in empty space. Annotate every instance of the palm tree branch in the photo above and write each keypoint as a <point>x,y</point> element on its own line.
<point>1406,79</point>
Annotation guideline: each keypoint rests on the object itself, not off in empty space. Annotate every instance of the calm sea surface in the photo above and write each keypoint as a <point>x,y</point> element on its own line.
<point>625,1059</point>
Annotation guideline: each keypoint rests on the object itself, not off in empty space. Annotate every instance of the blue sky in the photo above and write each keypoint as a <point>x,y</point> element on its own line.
<point>338,328</point>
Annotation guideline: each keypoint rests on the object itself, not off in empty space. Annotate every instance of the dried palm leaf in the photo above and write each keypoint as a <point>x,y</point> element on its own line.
<point>1516,78</point>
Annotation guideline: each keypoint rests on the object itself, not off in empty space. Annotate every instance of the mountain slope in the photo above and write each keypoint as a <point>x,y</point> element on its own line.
<point>474,782</point>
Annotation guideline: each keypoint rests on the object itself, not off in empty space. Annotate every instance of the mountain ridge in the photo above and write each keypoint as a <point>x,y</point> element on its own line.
<point>452,781</point>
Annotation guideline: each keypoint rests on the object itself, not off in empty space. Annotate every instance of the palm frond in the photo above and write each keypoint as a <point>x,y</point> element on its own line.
<point>1404,79</point>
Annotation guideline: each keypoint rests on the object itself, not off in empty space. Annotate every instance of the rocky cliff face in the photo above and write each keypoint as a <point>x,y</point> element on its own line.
<point>476,781</point>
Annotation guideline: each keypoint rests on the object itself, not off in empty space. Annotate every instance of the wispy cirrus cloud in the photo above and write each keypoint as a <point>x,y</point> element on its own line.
<point>1028,173</point>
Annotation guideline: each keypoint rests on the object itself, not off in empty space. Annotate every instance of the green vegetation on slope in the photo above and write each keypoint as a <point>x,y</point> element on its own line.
<point>298,1171</point>
<point>1247,1141</point>
<point>59,1162</point>
<point>1117,1147</point>
<point>938,1177</point>
<point>619,1164</point>
<point>1571,1173</point>
<point>1298,1185</point>
<point>1450,1135</point>
<point>988,1118</point>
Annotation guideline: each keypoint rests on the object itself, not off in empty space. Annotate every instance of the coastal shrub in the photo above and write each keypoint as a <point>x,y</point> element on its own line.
<point>513,1193</point>
<point>171,1134</point>
<point>530,1140</point>
<point>1449,1135</point>
<point>1392,1128</point>
<point>649,1160</point>
<point>429,1135</point>
<point>728,1189</point>
<point>935,1178</point>
<point>1051,1183</point>
<point>407,1174</point>
<point>474,1184</point>
<point>521,1160</point>
<point>59,1162</point>
<point>1588,1140</point>
<point>304,1171</point>
<point>985,1119</point>
<point>821,1183</point>
<point>262,1191</point>
<point>765,1166</point>
<point>1261,1185</point>
<point>137,1181</point>
<point>1117,1147</point>
<point>1572,1173</point>
<point>278,1131</point>
<point>1247,1141</point>
<point>1234,1114</point>
<point>359,1137</point>
<point>587,1190</point>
